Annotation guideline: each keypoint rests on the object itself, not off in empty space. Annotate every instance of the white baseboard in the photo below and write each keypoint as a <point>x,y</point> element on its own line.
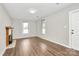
<point>56,42</point>
<point>60,44</point>
<point>3,52</point>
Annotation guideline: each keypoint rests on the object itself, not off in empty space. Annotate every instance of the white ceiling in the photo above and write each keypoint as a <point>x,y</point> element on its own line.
<point>20,10</point>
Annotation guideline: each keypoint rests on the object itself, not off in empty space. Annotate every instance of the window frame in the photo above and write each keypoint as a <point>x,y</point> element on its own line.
<point>43,27</point>
<point>26,28</point>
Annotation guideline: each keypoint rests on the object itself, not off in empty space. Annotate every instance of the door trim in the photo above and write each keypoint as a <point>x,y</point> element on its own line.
<point>70,26</point>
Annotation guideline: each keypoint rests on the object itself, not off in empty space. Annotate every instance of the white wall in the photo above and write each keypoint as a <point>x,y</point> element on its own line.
<point>58,26</point>
<point>4,21</point>
<point>18,29</point>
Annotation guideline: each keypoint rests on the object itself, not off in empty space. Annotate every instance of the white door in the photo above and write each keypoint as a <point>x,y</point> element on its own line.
<point>75,30</point>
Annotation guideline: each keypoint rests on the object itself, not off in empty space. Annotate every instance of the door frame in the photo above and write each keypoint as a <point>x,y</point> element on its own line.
<point>70,27</point>
<point>7,32</point>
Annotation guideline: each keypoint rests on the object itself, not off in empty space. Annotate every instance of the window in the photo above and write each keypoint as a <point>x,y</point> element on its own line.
<point>26,28</point>
<point>43,27</point>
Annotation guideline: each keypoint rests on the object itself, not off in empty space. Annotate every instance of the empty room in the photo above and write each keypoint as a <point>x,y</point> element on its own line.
<point>39,29</point>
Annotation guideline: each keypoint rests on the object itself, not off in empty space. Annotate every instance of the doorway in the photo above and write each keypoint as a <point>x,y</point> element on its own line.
<point>8,35</point>
<point>74,29</point>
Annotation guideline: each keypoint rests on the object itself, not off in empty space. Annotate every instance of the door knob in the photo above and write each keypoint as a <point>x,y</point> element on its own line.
<point>72,32</point>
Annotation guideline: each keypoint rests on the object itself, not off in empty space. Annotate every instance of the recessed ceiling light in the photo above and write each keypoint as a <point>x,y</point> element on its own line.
<point>32,11</point>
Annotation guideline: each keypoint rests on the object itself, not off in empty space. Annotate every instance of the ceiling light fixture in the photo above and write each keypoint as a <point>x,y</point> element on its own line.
<point>32,11</point>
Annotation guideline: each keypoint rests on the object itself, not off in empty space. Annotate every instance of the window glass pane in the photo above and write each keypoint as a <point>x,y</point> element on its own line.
<point>25,28</point>
<point>25,25</point>
<point>43,27</point>
<point>25,31</point>
<point>43,24</point>
<point>43,31</point>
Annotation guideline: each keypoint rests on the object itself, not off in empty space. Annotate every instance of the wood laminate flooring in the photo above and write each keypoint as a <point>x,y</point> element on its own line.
<point>36,46</point>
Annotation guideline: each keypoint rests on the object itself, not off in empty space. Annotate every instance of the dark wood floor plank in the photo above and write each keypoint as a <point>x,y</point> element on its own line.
<point>36,46</point>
